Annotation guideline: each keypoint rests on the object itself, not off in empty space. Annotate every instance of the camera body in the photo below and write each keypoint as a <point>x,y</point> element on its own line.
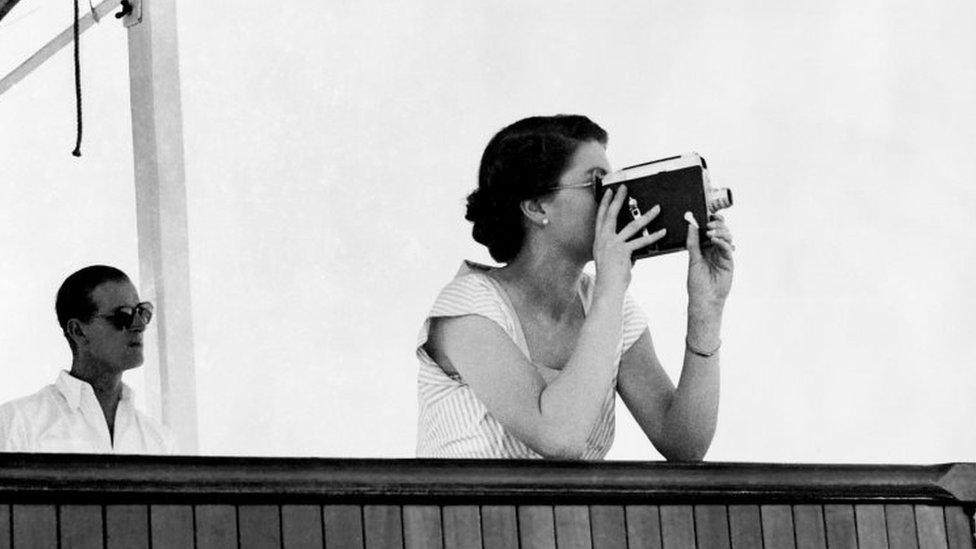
<point>678,184</point>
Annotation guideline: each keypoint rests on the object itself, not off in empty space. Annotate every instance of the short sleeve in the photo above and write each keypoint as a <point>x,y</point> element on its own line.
<point>472,294</point>
<point>634,322</point>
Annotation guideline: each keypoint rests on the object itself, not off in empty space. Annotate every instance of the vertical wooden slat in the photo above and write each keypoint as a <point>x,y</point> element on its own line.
<point>745,523</point>
<point>301,527</point>
<point>343,525</point>
<point>712,526</point>
<point>383,526</point>
<point>841,531</point>
<point>959,528</point>
<point>643,526</point>
<point>422,526</point>
<point>777,526</point>
<point>572,526</point>
<point>678,526</point>
<point>171,526</point>
<point>900,522</point>
<point>871,532</point>
<point>216,526</point>
<point>499,527</point>
<point>81,527</point>
<point>462,526</point>
<point>4,527</point>
<point>536,527</point>
<point>35,526</point>
<point>608,527</point>
<point>808,523</point>
<point>259,527</point>
<point>931,527</point>
<point>126,527</point>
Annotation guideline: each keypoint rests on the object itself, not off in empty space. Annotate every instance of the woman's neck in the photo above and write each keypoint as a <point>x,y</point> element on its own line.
<point>543,282</point>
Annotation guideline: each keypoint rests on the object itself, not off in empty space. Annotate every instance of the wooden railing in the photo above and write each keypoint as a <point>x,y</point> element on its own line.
<point>147,501</point>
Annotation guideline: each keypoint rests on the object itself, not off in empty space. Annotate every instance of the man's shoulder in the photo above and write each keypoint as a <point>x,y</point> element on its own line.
<point>28,406</point>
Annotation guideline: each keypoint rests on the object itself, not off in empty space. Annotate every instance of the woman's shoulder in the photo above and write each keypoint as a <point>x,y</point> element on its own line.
<point>472,290</point>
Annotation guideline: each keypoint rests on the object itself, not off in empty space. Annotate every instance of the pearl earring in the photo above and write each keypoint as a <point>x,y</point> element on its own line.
<point>545,221</point>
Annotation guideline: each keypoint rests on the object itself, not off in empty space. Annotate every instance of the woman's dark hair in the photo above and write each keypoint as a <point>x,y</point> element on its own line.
<point>521,162</point>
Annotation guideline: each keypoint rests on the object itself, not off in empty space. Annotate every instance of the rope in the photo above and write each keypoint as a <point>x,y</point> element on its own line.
<point>77,151</point>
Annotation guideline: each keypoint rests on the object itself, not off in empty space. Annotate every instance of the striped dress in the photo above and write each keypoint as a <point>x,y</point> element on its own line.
<point>452,422</point>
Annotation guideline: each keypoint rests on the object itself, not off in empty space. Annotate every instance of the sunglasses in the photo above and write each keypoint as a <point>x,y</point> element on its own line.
<point>594,181</point>
<point>125,317</point>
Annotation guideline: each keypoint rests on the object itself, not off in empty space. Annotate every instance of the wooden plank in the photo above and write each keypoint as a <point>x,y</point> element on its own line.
<point>259,527</point>
<point>808,523</point>
<point>343,525</point>
<point>777,526</point>
<point>161,218</point>
<point>216,526</point>
<point>643,526</point>
<point>608,527</point>
<point>422,526</point>
<point>5,526</point>
<point>871,531</point>
<point>712,526</point>
<point>537,527</point>
<point>127,526</point>
<point>745,525</point>
<point>383,525</point>
<point>841,529</point>
<point>301,527</point>
<point>35,526</point>
<point>81,527</point>
<point>499,527</point>
<point>930,521</point>
<point>171,526</point>
<point>462,525</point>
<point>959,528</point>
<point>900,522</point>
<point>678,526</point>
<point>572,526</point>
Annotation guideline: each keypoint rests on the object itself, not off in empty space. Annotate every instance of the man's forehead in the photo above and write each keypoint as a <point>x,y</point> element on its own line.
<point>115,293</point>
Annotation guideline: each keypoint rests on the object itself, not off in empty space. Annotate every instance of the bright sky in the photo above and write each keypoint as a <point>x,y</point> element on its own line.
<point>329,149</point>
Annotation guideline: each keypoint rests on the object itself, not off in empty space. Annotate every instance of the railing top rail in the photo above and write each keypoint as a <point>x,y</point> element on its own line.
<point>192,478</point>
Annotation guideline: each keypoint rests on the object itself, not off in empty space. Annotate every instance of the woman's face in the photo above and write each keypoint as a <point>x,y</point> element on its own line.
<point>572,211</point>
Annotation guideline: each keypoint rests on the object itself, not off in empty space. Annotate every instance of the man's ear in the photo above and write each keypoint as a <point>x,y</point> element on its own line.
<point>76,332</point>
<point>535,211</point>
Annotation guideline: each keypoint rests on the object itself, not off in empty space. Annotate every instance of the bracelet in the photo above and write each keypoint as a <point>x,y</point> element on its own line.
<point>702,354</point>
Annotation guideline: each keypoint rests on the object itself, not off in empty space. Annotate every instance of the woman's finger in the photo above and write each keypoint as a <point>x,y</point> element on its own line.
<point>725,248</point>
<point>719,234</point>
<point>645,240</point>
<point>614,208</point>
<point>601,211</point>
<point>630,229</point>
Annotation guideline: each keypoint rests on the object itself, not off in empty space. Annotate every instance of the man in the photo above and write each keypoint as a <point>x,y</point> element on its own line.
<point>88,409</point>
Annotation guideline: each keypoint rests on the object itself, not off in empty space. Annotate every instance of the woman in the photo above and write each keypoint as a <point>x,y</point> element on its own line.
<point>523,361</point>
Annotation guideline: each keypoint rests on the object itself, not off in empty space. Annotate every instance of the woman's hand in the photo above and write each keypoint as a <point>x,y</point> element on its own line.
<point>710,271</point>
<point>611,250</point>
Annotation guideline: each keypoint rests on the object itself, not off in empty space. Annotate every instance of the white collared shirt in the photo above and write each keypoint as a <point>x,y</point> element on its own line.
<point>65,417</point>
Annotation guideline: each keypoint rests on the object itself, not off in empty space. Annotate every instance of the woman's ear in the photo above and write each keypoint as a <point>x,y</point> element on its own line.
<point>535,211</point>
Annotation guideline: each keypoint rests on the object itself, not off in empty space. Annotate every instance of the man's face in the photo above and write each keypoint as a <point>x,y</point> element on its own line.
<point>119,349</point>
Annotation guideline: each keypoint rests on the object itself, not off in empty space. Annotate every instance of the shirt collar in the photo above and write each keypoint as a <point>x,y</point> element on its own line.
<point>72,389</point>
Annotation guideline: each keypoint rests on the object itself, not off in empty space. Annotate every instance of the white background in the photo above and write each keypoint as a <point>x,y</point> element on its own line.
<point>330,145</point>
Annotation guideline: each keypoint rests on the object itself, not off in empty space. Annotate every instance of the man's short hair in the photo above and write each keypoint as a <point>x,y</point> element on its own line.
<point>74,297</point>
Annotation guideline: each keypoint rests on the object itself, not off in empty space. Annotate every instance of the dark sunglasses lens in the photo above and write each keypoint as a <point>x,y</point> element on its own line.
<point>121,319</point>
<point>145,314</point>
